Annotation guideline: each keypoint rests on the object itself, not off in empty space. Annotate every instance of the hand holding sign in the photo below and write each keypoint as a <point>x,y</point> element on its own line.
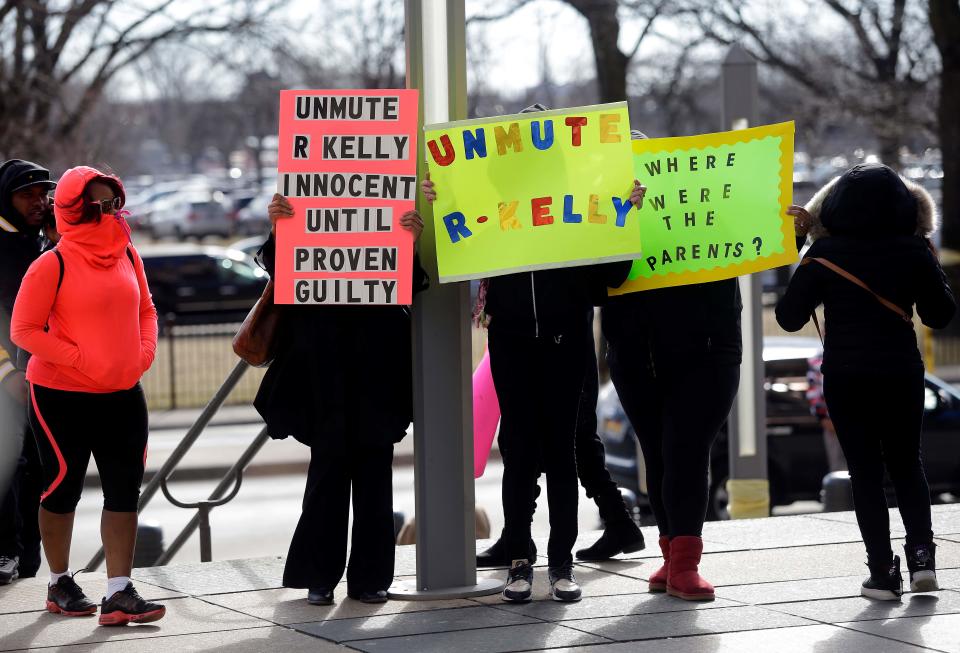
<point>639,191</point>
<point>278,209</point>
<point>801,220</point>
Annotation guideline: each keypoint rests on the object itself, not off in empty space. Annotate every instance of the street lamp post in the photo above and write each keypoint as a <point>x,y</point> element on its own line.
<point>443,414</point>
<point>748,488</point>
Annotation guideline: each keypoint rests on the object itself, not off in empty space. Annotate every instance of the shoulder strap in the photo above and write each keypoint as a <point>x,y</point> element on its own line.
<point>849,277</point>
<point>60,260</point>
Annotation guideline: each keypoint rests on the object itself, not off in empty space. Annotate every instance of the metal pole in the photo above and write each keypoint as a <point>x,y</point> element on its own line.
<point>172,360</point>
<point>206,550</point>
<point>443,419</point>
<point>233,476</point>
<point>748,487</point>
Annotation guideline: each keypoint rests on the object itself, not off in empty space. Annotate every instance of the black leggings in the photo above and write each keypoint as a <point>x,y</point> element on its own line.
<point>19,532</point>
<point>676,422</point>
<point>873,439</point>
<point>539,383</point>
<point>591,457</point>
<point>69,426</point>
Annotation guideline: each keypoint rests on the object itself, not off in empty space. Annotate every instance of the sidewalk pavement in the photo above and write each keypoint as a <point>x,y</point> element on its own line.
<point>784,585</point>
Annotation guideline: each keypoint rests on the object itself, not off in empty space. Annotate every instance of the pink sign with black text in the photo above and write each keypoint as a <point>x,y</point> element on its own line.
<point>347,163</point>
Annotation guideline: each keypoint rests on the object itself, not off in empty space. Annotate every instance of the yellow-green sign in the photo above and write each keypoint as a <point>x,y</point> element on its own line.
<point>715,206</point>
<point>533,191</point>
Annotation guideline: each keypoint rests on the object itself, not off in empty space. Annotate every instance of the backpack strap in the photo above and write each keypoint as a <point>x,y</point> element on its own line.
<point>852,279</point>
<point>60,260</point>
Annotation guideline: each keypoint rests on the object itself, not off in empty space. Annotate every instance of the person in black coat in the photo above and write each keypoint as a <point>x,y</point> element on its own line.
<point>872,227</point>
<point>341,383</point>
<point>24,205</point>
<point>660,344</point>
<point>539,325</point>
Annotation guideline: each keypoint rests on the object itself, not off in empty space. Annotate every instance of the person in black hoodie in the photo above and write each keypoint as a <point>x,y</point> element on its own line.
<point>539,325</point>
<point>342,384</point>
<point>24,205</point>
<point>871,261</point>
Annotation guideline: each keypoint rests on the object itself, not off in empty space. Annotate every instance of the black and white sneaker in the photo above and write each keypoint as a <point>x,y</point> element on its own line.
<point>9,569</point>
<point>921,561</point>
<point>884,583</point>
<point>563,584</point>
<point>519,582</point>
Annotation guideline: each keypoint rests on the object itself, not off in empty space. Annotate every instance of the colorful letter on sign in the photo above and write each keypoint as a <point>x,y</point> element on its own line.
<point>715,206</point>
<point>532,191</point>
<point>347,163</point>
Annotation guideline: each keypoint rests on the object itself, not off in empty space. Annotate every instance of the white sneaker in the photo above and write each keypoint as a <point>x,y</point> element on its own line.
<point>519,582</point>
<point>563,585</point>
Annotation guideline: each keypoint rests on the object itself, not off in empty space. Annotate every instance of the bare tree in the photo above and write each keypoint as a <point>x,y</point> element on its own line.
<point>58,57</point>
<point>878,67</point>
<point>604,20</point>
<point>945,22</point>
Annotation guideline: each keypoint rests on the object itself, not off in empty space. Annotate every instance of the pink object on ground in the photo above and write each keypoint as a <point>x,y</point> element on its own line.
<point>486,414</point>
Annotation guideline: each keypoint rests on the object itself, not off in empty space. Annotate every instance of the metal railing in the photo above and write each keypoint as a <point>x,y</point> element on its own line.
<point>191,362</point>
<point>219,495</point>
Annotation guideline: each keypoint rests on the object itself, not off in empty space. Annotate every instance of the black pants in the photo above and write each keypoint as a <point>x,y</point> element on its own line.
<point>70,426</point>
<point>676,422</point>
<point>591,458</point>
<point>19,531</point>
<point>539,382</point>
<point>318,551</point>
<point>878,418</point>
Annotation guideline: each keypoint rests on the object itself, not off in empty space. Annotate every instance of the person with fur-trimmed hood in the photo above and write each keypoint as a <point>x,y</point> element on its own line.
<point>870,263</point>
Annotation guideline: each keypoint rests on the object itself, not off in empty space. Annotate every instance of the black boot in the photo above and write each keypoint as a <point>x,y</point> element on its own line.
<point>922,563</point>
<point>496,555</point>
<point>618,537</point>
<point>885,582</point>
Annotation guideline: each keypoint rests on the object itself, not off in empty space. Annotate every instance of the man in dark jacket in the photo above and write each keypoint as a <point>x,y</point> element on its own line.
<point>24,203</point>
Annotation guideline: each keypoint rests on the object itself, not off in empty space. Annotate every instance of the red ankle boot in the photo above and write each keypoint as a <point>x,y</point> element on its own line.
<point>658,581</point>
<point>683,581</point>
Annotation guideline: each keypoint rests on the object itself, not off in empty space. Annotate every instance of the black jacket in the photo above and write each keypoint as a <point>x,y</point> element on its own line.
<point>19,247</point>
<point>340,370</point>
<point>685,326</point>
<point>871,224</point>
<point>548,303</point>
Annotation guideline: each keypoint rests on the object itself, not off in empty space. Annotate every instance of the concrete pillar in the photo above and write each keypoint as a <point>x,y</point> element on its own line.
<point>443,411</point>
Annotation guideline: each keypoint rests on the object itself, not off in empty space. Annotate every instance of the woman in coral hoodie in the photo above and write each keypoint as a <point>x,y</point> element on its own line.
<point>85,314</point>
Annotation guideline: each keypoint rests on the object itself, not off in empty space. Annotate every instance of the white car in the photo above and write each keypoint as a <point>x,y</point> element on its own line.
<point>252,219</point>
<point>196,214</point>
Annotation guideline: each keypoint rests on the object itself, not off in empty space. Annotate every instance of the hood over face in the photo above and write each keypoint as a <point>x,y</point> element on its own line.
<point>870,200</point>
<point>102,242</point>
<point>17,174</point>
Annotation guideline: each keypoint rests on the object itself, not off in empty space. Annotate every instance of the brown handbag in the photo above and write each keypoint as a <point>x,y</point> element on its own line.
<point>852,279</point>
<point>256,340</point>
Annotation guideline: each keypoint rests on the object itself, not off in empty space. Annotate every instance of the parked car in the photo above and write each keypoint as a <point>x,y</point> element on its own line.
<point>249,246</point>
<point>196,214</point>
<point>252,219</point>
<point>201,284</point>
<point>797,460</point>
